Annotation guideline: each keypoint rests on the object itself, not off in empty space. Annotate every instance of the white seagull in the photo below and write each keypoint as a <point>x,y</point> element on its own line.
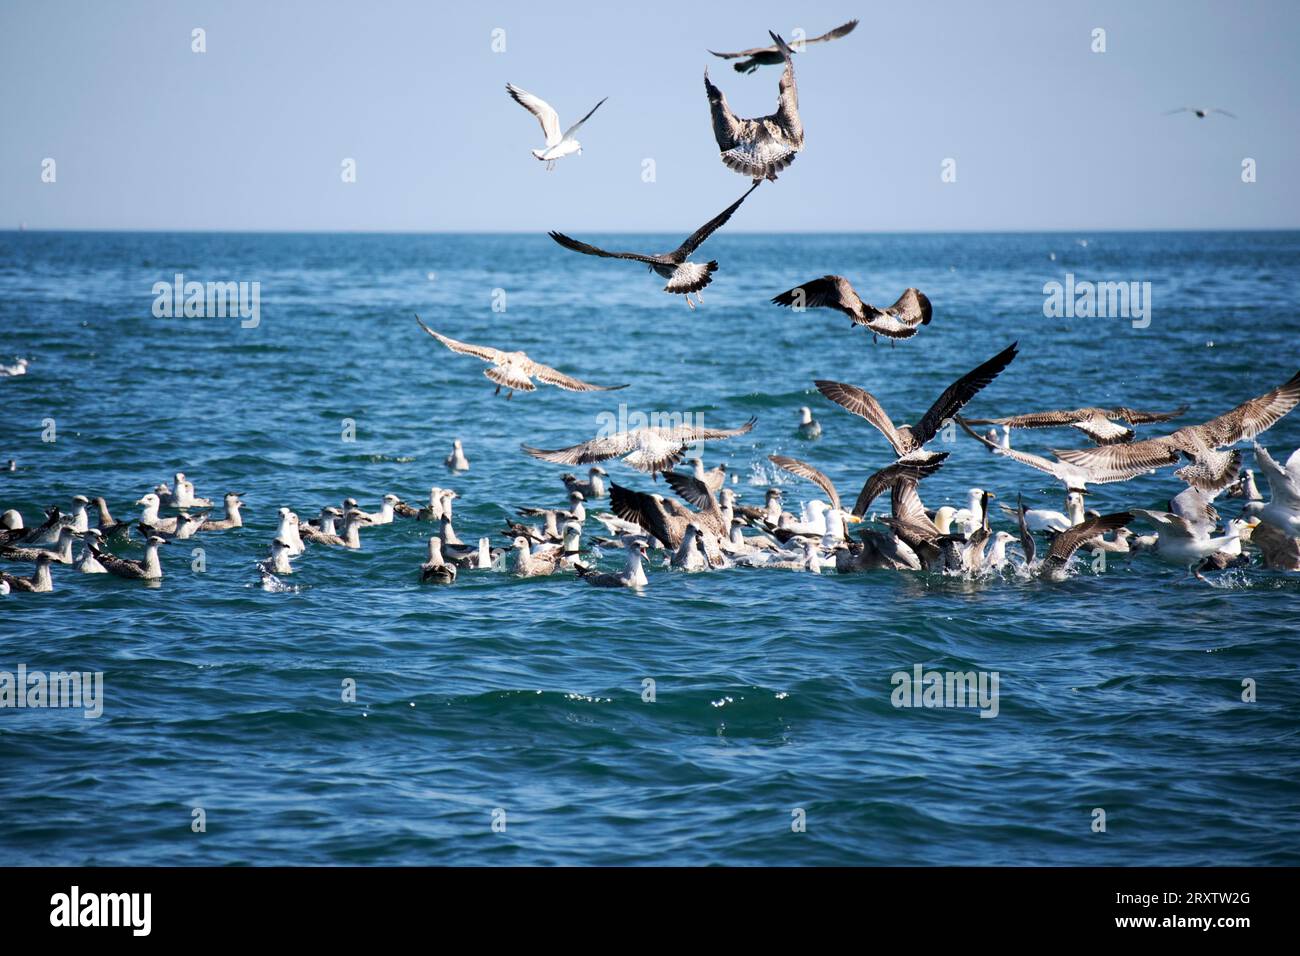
<point>558,144</point>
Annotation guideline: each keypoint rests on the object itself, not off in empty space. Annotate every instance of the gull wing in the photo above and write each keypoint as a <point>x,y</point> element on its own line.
<point>543,110</point>
<point>956,395</point>
<point>589,250</point>
<point>550,376</point>
<point>486,353</point>
<point>805,470</point>
<point>568,133</point>
<point>863,404</point>
<point>696,238</point>
<point>828,292</point>
<point>585,453</point>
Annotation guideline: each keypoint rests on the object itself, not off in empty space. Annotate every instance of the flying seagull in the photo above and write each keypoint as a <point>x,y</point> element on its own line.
<point>909,441</point>
<point>558,145</point>
<point>760,147</point>
<point>1200,112</point>
<point>652,450</point>
<point>1099,424</point>
<point>683,277</point>
<point>515,370</point>
<point>1076,478</point>
<point>1210,470</point>
<point>771,55</point>
<point>901,320</point>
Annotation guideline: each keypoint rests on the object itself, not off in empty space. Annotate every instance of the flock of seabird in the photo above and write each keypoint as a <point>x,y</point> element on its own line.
<point>709,528</point>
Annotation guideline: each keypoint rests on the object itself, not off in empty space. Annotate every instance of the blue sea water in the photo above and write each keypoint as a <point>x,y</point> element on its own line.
<point>1119,690</point>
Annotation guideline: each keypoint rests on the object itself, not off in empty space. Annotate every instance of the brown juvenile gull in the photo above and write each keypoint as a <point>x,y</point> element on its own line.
<point>759,148</point>
<point>683,277</point>
<point>771,55</point>
<point>909,441</point>
<point>652,450</point>
<point>39,582</point>
<point>1210,469</point>
<point>666,519</point>
<point>148,569</point>
<point>1099,424</point>
<point>901,320</point>
<point>558,144</point>
<point>515,370</point>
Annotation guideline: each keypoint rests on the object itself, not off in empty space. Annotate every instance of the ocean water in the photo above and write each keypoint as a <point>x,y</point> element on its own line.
<point>523,701</point>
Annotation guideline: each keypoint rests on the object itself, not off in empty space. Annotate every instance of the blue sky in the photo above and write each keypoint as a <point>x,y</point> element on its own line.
<point>251,134</point>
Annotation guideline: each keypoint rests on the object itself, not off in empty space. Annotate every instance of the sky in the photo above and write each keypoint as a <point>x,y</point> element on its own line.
<point>252,134</point>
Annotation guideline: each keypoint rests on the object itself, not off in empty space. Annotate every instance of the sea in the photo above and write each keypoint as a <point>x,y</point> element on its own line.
<point>742,717</point>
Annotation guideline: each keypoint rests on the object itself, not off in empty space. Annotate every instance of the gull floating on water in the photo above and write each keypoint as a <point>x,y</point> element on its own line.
<point>1056,566</point>
<point>39,582</point>
<point>457,461</point>
<point>147,569</point>
<point>515,371</point>
<point>234,515</point>
<point>1210,469</point>
<point>809,427</point>
<point>593,487</point>
<point>633,573</point>
<point>434,570</point>
<point>759,148</point>
<point>1186,543</point>
<point>18,368</point>
<point>651,450</point>
<point>558,144</point>
<point>683,277</point>
<point>901,320</point>
<point>86,562</point>
<point>772,55</point>
<point>60,552</point>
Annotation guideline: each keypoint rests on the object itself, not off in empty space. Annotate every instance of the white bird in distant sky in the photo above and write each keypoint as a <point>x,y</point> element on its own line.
<point>558,144</point>
<point>1200,112</point>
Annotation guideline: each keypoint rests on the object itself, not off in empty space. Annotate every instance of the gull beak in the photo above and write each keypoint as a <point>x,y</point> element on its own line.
<point>852,519</point>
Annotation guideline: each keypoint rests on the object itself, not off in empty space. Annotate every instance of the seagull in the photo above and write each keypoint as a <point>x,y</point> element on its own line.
<point>1056,566</point>
<point>278,560</point>
<point>1283,508</point>
<point>321,529</point>
<point>1210,470</point>
<point>1200,112</point>
<point>530,564</point>
<point>651,450</point>
<point>909,441</point>
<point>666,519</point>
<point>1280,551</point>
<point>60,552</point>
<point>593,487</point>
<point>683,277</point>
<point>713,478</point>
<point>108,525</point>
<point>515,370</point>
<point>148,569</point>
<point>149,515</point>
<point>86,562</point>
<point>39,582</point>
<point>233,519</point>
<point>385,513</point>
<point>185,528</point>
<point>18,368</point>
<point>1043,519</point>
<point>1099,424</point>
<point>1186,543</point>
<point>901,320</point>
<point>1074,477</point>
<point>762,147</point>
<point>633,573</point>
<point>80,520</point>
<point>809,427</point>
<point>288,531</point>
<point>435,570</point>
<point>772,55</point>
<point>457,461</point>
<point>183,496</point>
<point>802,469</point>
<point>558,144</point>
